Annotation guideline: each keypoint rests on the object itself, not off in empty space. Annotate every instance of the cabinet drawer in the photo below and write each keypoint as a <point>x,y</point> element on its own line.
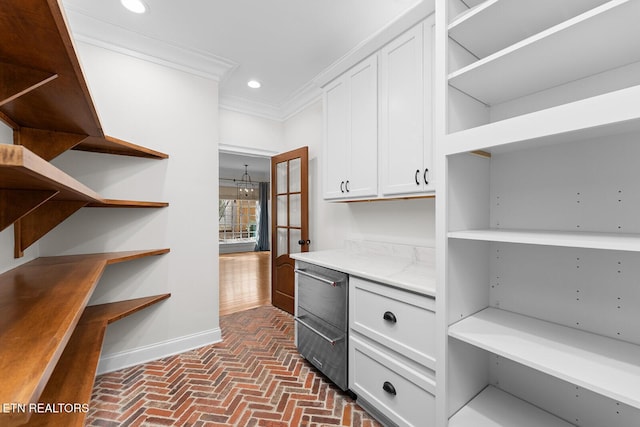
<point>400,320</point>
<point>403,394</point>
<point>323,292</point>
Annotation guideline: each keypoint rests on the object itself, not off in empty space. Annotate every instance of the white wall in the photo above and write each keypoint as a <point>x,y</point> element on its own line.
<point>328,222</point>
<point>250,132</point>
<point>176,113</point>
<point>396,221</point>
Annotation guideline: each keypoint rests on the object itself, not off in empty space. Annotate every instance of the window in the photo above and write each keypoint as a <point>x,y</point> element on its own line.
<point>237,220</point>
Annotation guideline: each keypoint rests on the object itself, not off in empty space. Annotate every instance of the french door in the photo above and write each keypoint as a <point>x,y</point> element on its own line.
<point>290,222</point>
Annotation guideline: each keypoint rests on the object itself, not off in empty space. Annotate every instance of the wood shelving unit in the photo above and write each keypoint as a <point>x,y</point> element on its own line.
<point>72,379</point>
<point>42,302</point>
<point>37,196</point>
<point>51,342</point>
<point>44,93</point>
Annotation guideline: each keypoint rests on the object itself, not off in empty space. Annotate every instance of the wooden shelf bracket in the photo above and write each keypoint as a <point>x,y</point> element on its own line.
<point>16,81</point>
<point>47,144</point>
<point>14,204</point>
<point>41,220</point>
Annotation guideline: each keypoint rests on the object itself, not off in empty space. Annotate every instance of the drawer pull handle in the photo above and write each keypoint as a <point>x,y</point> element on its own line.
<point>389,388</point>
<point>316,277</point>
<point>389,317</point>
<point>332,341</point>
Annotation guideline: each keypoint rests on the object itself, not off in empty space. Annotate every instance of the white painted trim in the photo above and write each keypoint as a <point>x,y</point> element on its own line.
<point>238,149</point>
<point>93,31</point>
<point>125,359</point>
<point>376,41</point>
<point>299,100</point>
<point>247,106</point>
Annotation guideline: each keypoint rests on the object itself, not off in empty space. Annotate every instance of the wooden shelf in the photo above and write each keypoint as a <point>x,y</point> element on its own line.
<point>542,61</point>
<point>495,408</point>
<point>36,196</point>
<point>597,363</point>
<point>501,22</point>
<point>111,203</point>
<point>606,241</point>
<point>111,145</point>
<point>41,304</point>
<point>603,115</point>
<point>42,85</point>
<point>72,379</point>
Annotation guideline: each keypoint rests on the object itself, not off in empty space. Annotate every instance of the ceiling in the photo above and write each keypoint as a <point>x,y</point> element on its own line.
<point>282,43</point>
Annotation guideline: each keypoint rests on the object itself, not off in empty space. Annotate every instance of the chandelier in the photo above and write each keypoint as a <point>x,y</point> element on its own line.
<point>244,186</point>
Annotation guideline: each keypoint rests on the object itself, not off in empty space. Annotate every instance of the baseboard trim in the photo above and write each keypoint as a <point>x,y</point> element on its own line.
<point>125,359</point>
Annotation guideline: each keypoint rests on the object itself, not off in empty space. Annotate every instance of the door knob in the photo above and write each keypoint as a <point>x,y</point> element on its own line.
<point>302,242</point>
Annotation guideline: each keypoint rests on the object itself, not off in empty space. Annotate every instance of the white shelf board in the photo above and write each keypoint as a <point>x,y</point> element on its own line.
<point>495,408</point>
<point>603,115</point>
<point>597,363</point>
<point>502,22</point>
<point>606,241</point>
<point>576,48</point>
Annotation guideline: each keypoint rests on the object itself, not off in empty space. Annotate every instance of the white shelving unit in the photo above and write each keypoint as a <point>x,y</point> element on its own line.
<point>597,363</point>
<point>540,242</point>
<point>542,61</point>
<point>495,408</point>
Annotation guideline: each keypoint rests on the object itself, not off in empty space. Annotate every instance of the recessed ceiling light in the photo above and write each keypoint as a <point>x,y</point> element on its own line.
<point>253,84</point>
<point>135,6</point>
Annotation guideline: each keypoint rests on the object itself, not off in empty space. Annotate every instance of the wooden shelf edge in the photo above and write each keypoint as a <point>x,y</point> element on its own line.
<point>74,375</point>
<point>111,145</point>
<point>112,203</point>
<point>107,257</point>
<point>20,168</point>
<point>113,311</point>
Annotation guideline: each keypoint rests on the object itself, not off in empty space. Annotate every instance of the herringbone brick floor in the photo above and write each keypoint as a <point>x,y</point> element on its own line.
<point>255,377</point>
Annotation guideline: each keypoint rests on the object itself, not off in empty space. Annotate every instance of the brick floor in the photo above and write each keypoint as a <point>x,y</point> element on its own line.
<point>255,377</point>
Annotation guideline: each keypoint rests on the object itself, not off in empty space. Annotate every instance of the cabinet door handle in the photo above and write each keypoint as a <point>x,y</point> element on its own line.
<point>389,317</point>
<point>346,186</point>
<point>389,388</point>
<point>417,177</point>
<point>342,187</point>
<point>426,181</point>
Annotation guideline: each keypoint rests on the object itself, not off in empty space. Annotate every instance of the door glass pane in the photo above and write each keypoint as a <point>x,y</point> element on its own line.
<point>282,242</point>
<point>294,236</point>
<point>282,211</point>
<point>281,177</point>
<point>294,210</point>
<point>294,175</point>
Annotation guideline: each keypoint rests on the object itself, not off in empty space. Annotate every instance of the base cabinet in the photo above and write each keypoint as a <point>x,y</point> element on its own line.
<point>392,353</point>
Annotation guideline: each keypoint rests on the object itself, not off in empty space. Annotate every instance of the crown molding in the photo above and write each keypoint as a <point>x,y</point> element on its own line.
<point>376,41</point>
<point>300,100</point>
<point>251,107</point>
<point>103,34</point>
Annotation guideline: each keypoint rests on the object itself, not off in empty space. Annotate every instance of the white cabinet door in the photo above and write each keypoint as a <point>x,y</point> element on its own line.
<point>335,138</point>
<point>362,177</point>
<point>351,133</point>
<point>402,112</point>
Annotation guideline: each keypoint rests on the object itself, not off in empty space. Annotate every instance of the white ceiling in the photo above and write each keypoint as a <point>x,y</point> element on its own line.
<point>282,43</point>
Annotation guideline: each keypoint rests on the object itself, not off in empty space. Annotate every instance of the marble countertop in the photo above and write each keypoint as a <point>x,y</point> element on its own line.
<point>407,267</point>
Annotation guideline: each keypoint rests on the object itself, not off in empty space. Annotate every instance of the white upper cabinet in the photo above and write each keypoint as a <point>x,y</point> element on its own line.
<point>405,113</point>
<point>351,133</point>
<point>387,96</point>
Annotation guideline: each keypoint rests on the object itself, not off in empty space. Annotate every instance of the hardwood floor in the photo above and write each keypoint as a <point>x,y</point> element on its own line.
<point>245,281</point>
